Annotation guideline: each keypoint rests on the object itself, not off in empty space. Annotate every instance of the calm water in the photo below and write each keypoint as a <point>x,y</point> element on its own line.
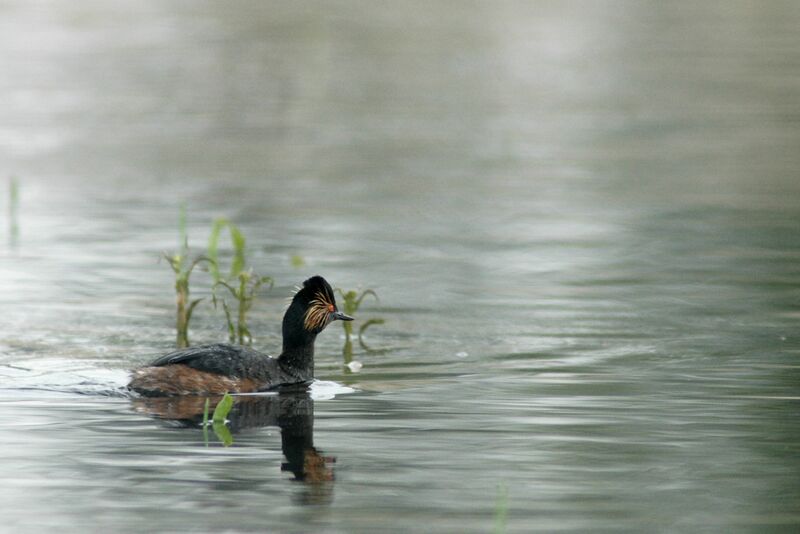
<point>582,220</point>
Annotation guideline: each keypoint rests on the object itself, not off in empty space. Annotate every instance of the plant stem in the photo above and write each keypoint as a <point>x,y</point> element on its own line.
<point>182,297</point>
<point>242,321</point>
<point>348,330</point>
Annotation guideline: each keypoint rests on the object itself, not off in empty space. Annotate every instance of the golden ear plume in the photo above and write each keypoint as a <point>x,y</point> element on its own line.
<point>318,312</point>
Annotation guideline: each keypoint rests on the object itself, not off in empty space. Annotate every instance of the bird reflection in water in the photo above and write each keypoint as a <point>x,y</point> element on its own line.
<point>292,412</point>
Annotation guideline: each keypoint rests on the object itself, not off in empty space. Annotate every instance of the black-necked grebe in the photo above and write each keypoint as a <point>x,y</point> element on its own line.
<point>220,368</point>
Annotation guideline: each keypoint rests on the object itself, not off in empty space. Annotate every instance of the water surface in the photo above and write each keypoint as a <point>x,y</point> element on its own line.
<point>582,220</point>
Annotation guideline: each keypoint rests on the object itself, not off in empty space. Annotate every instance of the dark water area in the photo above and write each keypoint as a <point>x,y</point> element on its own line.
<point>582,220</point>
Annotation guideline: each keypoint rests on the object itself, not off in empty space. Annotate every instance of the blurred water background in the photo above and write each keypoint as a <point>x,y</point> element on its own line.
<point>582,220</point>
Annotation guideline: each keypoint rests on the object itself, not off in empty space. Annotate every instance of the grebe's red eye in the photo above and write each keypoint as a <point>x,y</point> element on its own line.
<point>330,308</point>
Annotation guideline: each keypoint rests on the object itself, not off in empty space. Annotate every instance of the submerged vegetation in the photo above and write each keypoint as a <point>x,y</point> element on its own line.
<point>241,283</point>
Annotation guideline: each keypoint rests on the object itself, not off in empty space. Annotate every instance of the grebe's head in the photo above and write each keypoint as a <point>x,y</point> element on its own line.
<point>316,303</point>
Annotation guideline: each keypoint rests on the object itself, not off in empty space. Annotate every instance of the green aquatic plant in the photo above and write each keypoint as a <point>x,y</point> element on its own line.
<point>185,306</point>
<point>218,420</point>
<point>347,352</point>
<point>244,293</point>
<point>351,302</point>
<point>218,425</point>
<point>223,433</point>
<point>363,329</point>
<point>501,509</point>
<point>238,242</point>
<point>183,267</point>
<point>242,284</point>
<point>223,409</point>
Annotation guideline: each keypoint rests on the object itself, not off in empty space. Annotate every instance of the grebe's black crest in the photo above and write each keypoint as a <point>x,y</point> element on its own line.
<point>316,300</point>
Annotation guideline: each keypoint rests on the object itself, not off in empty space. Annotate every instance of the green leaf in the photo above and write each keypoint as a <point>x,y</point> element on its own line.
<point>259,281</point>
<point>237,238</point>
<point>229,320</point>
<point>196,262</point>
<point>213,242</point>
<point>348,301</point>
<point>218,420</point>
<point>226,285</point>
<point>223,433</point>
<point>223,409</point>
<point>367,325</point>
<point>174,262</point>
<point>189,311</point>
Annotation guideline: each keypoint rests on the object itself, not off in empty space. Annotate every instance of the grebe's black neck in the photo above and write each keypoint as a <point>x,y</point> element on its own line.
<point>298,341</point>
<point>298,352</point>
<point>312,309</point>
